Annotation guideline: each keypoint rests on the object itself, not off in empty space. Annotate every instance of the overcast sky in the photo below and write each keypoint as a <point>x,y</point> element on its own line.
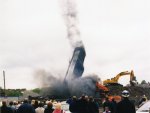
<point>115,33</point>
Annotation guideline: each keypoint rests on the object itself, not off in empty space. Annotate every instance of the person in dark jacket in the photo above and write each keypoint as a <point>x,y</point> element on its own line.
<point>125,106</point>
<point>114,105</point>
<point>5,108</point>
<point>69,100</point>
<point>92,106</point>
<point>82,104</point>
<point>49,108</point>
<point>73,106</point>
<point>26,108</point>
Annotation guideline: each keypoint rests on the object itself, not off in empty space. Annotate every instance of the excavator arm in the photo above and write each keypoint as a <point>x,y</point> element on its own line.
<point>114,80</point>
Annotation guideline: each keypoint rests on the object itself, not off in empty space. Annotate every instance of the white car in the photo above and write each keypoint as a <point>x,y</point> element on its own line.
<point>65,107</point>
<point>144,108</point>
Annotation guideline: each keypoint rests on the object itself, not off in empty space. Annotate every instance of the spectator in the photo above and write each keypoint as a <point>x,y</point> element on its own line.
<point>35,104</point>
<point>69,100</point>
<point>26,108</point>
<point>5,108</point>
<point>117,99</point>
<point>49,108</point>
<point>114,106</point>
<point>73,106</point>
<point>83,104</point>
<point>11,105</point>
<point>58,108</point>
<point>125,106</point>
<point>92,106</point>
<point>40,109</point>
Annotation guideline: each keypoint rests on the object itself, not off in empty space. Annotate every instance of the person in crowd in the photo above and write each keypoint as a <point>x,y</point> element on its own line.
<point>36,104</point>
<point>58,108</point>
<point>92,106</point>
<point>49,108</point>
<point>32,102</point>
<point>15,105</point>
<point>125,105</point>
<point>26,108</point>
<point>5,108</point>
<point>69,100</point>
<point>18,104</point>
<point>83,104</point>
<point>40,109</point>
<point>73,106</point>
<point>11,105</point>
<point>117,99</point>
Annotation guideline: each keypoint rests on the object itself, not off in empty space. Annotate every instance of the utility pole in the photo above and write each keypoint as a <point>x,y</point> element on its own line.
<point>4,83</point>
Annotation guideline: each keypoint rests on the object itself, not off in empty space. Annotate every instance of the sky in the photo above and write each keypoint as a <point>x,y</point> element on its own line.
<point>33,37</point>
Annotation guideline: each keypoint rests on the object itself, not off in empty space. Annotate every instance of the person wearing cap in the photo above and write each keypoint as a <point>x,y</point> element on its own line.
<point>125,105</point>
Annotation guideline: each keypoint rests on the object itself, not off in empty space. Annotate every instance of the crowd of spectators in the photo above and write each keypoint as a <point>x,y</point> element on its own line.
<point>84,104</point>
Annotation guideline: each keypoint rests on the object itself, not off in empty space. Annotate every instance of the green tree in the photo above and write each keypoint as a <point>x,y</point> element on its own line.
<point>36,90</point>
<point>14,93</point>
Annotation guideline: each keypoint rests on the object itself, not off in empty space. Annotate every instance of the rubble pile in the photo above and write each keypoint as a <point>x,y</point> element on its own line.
<point>136,92</point>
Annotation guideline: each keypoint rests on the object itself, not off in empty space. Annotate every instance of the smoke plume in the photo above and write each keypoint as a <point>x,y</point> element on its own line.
<point>71,19</point>
<point>53,85</point>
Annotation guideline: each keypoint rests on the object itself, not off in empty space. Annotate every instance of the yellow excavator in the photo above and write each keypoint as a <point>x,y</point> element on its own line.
<point>114,81</point>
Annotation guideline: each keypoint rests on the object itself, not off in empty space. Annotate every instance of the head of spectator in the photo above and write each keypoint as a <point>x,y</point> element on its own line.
<point>32,102</point>
<point>58,106</point>
<point>86,98</point>
<point>74,98</point>
<point>11,103</point>
<point>40,104</point>
<point>49,105</point>
<point>15,103</point>
<point>91,99</point>
<point>4,103</point>
<point>117,99</point>
<point>125,94</point>
<point>36,104</point>
<point>83,96</point>
<point>25,100</point>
